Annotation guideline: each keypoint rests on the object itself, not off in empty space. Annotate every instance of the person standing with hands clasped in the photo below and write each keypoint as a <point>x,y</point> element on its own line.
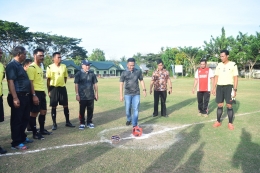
<point>19,98</point>
<point>86,89</point>
<point>129,80</point>
<point>57,74</point>
<point>225,85</point>
<point>203,76</point>
<point>160,78</point>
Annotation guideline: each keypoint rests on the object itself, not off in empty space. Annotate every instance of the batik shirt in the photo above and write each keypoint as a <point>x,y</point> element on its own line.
<point>160,78</point>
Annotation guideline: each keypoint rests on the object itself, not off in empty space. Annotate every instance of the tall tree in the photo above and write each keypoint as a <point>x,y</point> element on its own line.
<point>13,34</point>
<point>97,55</point>
<point>168,57</point>
<point>191,57</point>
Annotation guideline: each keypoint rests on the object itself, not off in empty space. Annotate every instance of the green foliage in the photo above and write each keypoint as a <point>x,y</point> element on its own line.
<point>12,34</point>
<point>47,61</point>
<point>168,57</point>
<point>97,55</point>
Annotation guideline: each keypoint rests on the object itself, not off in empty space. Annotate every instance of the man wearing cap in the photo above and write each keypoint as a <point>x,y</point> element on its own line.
<point>130,81</point>
<point>57,74</point>
<point>86,89</point>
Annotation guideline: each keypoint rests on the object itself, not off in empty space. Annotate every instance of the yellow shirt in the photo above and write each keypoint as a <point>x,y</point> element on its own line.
<point>35,74</point>
<point>226,73</point>
<point>2,74</point>
<point>56,74</point>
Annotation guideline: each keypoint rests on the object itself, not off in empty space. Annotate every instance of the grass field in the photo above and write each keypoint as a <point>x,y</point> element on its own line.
<point>183,142</point>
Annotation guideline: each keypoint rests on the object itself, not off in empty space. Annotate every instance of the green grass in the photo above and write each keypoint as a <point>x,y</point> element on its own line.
<point>198,147</point>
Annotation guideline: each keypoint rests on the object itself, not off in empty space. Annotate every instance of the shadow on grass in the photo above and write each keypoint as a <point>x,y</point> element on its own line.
<point>247,155</point>
<point>72,162</point>
<point>180,105</point>
<point>169,161</point>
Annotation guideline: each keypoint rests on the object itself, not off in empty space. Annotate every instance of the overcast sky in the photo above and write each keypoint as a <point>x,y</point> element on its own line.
<point>125,27</point>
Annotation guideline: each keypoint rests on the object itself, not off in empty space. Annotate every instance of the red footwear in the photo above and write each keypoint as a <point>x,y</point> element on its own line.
<point>230,126</point>
<point>217,124</point>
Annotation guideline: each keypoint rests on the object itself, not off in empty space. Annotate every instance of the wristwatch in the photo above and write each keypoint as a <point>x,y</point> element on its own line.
<point>235,90</point>
<point>34,94</point>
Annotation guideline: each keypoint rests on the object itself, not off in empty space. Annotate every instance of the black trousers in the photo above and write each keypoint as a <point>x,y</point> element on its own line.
<point>83,104</point>
<point>163,96</point>
<point>203,101</point>
<point>19,118</point>
<point>2,118</point>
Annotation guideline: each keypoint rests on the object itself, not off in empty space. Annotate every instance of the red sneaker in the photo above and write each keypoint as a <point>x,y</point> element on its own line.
<point>217,124</point>
<point>230,126</point>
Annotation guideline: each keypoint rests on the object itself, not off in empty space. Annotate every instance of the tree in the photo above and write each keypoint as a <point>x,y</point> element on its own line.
<point>97,55</point>
<point>13,34</point>
<point>47,61</point>
<point>168,57</point>
<point>215,45</point>
<point>123,59</point>
<point>191,56</point>
<point>138,58</point>
<point>150,60</point>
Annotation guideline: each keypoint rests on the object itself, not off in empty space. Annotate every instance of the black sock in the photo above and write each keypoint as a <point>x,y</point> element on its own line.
<point>230,114</point>
<point>41,120</point>
<point>53,115</point>
<point>219,113</point>
<point>32,122</point>
<point>67,114</point>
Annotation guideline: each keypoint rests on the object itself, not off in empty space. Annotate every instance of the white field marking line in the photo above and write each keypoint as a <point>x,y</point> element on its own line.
<point>109,141</point>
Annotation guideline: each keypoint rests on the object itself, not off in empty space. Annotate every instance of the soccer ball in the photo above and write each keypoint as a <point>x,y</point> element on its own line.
<point>137,131</point>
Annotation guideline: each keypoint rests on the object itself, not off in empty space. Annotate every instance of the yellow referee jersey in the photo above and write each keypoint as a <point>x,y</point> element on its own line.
<point>2,73</point>
<point>56,74</point>
<point>226,73</point>
<point>35,74</point>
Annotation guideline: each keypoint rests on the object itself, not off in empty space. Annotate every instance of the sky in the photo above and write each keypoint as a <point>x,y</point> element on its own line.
<point>126,27</point>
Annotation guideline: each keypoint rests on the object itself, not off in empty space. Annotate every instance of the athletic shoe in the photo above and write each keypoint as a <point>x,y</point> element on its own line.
<point>2,151</point>
<point>82,127</point>
<point>38,136</point>
<point>90,125</point>
<point>128,123</point>
<point>69,125</point>
<point>19,147</point>
<point>217,124</point>
<point>230,126</point>
<point>54,127</point>
<point>27,140</point>
<point>45,132</point>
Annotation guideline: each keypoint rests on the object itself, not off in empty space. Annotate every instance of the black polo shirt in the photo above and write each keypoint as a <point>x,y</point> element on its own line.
<point>130,79</point>
<point>85,81</point>
<point>14,71</point>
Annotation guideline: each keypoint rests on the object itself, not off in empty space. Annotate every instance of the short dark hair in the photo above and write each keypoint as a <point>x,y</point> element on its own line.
<point>159,61</point>
<point>225,51</point>
<point>131,60</point>
<point>27,61</point>
<point>18,50</point>
<point>35,51</point>
<point>203,60</point>
<point>55,53</point>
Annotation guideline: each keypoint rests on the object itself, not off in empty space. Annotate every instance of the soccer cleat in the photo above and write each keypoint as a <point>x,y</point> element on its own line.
<point>54,127</point>
<point>2,151</point>
<point>90,125</point>
<point>27,140</point>
<point>45,132</point>
<point>82,127</point>
<point>19,147</point>
<point>217,124</point>
<point>230,126</point>
<point>69,125</point>
<point>38,136</point>
<point>128,123</point>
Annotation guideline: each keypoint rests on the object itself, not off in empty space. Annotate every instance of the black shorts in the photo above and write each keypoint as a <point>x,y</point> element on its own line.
<point>43,104</point>
<point>223,92</point>
<point>58,95</point>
